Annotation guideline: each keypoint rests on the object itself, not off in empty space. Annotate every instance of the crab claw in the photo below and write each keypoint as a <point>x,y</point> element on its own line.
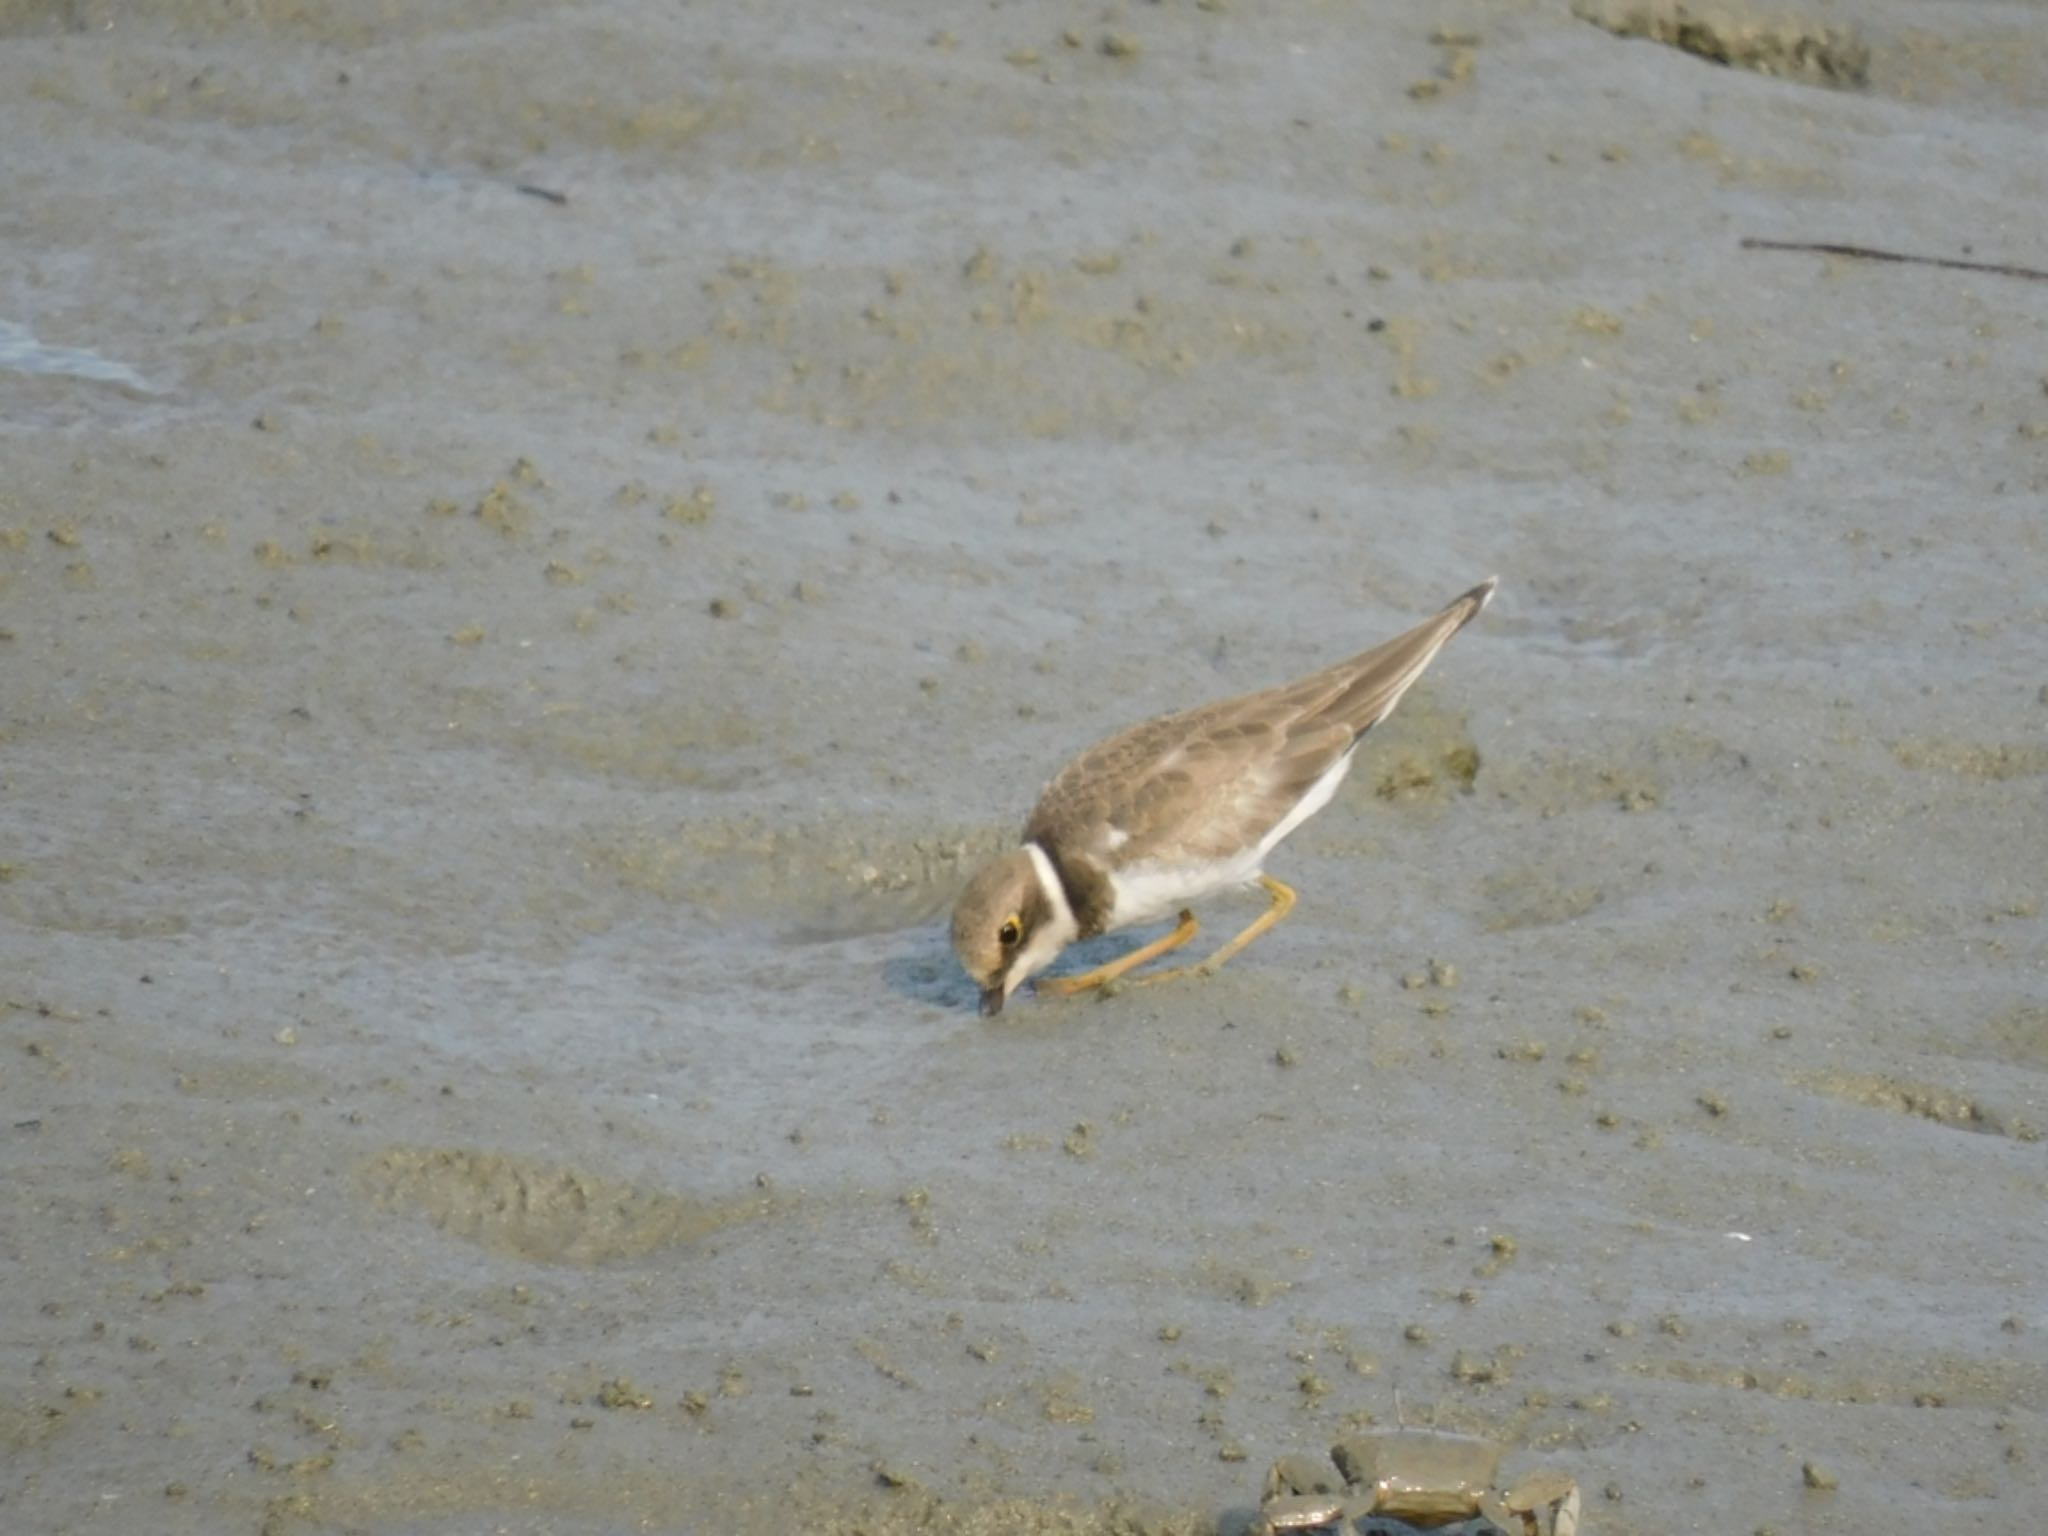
<point>1545,1489</point>
<point>1297,1512</point>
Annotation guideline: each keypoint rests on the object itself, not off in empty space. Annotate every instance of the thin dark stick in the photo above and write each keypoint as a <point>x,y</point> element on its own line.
<point>1869,253</point>
<point>559,199</point>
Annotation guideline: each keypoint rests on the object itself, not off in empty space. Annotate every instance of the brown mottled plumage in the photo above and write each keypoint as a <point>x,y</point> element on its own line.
<point>1176,808</point>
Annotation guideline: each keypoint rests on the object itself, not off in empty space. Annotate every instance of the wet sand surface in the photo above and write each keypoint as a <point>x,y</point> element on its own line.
<point>538,543</point>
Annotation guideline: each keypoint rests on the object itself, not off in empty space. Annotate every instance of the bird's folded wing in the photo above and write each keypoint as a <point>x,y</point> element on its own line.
<point>1205,785</point>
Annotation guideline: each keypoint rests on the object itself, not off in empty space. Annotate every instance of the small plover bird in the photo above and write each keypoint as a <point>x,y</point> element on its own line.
<point>1176,809</point>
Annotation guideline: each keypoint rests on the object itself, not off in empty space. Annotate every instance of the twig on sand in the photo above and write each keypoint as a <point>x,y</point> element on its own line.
<point>549,194</point>
<point>1871,253</point>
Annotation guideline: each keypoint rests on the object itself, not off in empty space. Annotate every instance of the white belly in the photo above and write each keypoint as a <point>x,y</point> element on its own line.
<point>1151,890</point>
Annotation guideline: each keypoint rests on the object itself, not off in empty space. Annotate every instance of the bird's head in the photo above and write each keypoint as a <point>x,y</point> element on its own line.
<point>1007,926</point>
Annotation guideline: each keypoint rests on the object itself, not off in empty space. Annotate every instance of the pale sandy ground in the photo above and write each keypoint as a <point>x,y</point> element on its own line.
<point>492,691</point>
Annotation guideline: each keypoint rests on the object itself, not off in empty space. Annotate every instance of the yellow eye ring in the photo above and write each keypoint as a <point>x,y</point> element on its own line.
<point>1011,931</point>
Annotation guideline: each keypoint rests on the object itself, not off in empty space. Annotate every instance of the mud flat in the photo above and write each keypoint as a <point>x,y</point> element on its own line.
<point>539,543</point>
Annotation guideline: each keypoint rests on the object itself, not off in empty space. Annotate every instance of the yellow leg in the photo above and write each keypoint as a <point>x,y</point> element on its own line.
<point>1123,965</point>
<point>1283,903</point>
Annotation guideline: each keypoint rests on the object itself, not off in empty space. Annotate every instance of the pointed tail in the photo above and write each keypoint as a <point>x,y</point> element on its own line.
<point>1373,683</point>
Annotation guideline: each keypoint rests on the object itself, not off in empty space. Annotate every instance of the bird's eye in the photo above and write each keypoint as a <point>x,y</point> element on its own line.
<point>1010,932</point>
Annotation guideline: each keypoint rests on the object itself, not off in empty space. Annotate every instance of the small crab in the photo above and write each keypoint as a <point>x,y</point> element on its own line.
<point>1415,1480</point>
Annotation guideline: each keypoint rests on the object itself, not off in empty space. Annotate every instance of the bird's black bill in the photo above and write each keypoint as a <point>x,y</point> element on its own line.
<point>991,1002</point>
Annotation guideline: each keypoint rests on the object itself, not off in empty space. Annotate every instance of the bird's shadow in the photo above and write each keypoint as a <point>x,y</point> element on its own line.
<point>927,972</point>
